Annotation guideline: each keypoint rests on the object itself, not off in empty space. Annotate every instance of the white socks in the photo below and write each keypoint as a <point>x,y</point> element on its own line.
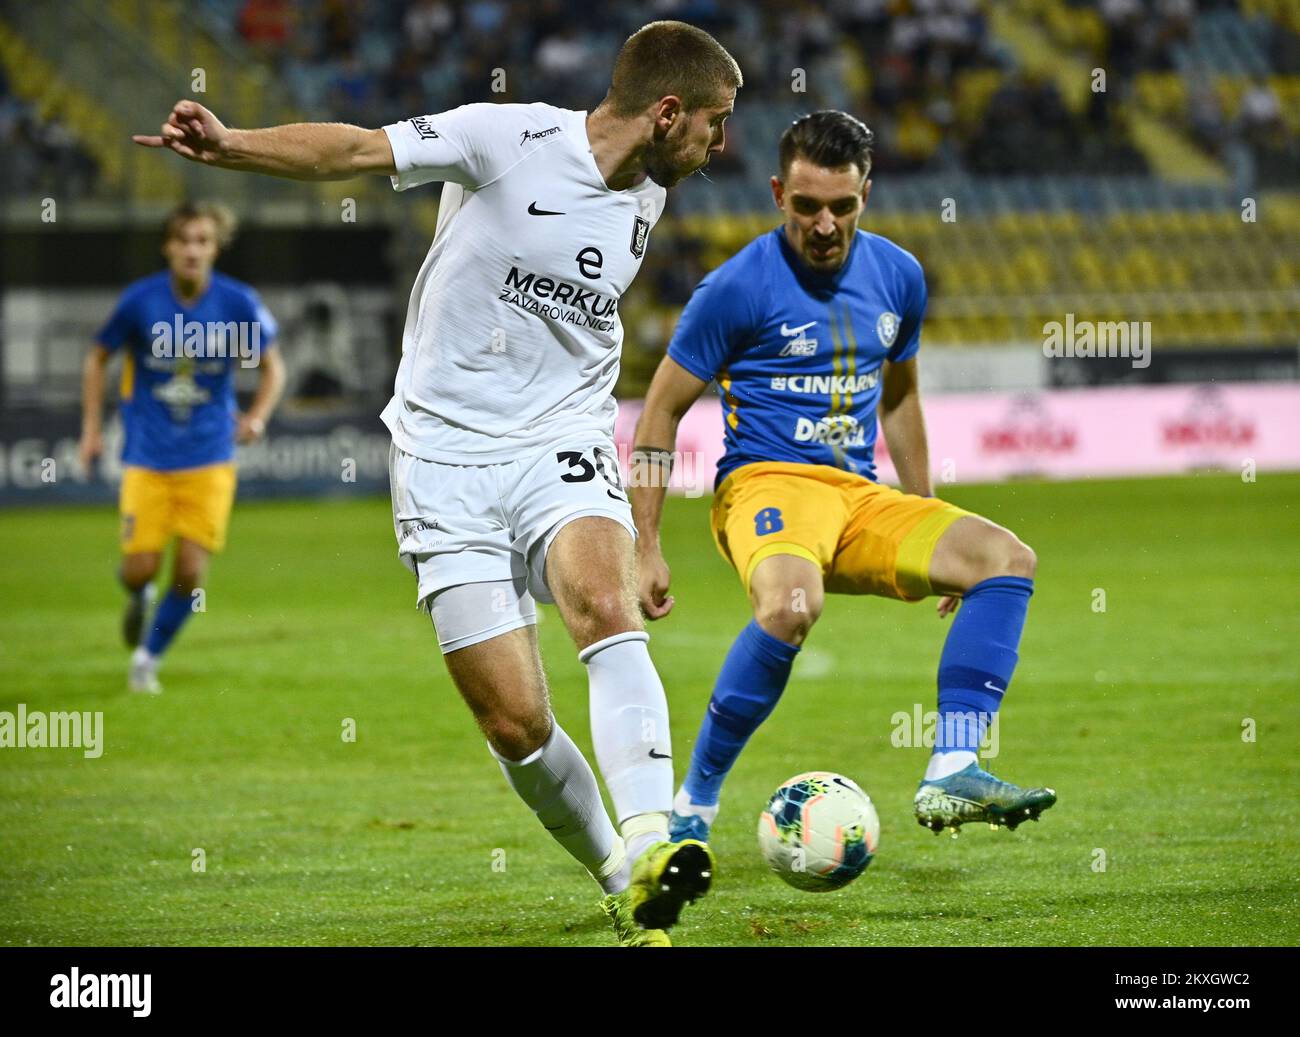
<point>642,831</point>
<point>943,764</point>
<point>629,728</point>
<point>558,784</point>
<point>682,805</point>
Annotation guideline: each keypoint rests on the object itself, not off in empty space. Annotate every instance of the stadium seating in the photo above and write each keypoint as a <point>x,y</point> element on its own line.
<point>1154,229</point>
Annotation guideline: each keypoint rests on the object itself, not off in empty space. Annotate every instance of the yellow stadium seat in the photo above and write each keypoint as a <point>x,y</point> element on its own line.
<point>1162,93</point>
<point>1230,90</point>
<point>974,90</point>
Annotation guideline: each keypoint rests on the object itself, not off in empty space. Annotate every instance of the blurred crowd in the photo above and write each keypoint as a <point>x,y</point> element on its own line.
<point>905,66</point>
<point>893,62</point>
<point>1258,138</point>
<point>41,156</point>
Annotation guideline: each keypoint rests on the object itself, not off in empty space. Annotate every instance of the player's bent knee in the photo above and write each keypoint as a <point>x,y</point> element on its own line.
<point>187,582</point>
<point>189,568</point>
<point>788,616</point>
<point>1022,561</point>
<point>514,737</point>
<point>1008,556</point>
<point>137,570</point>
<point>605,604</point>
<point>1001,554</point>
<point>603,613</point>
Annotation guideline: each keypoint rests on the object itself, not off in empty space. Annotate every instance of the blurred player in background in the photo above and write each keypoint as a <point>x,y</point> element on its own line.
<point>807,329</point>
<point>183,332</point>
<point>505,482</point>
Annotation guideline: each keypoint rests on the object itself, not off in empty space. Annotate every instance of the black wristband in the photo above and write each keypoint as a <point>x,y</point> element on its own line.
<point>663,459</point>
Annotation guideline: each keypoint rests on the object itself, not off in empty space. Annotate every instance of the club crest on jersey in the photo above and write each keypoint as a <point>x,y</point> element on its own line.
<point>423,128</point>
<point>800,344</point>
<point>887,328</point>
<point>640,230</point>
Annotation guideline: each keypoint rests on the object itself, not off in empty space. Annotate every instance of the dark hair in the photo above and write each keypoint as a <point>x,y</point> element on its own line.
<point>665,58</point>
<point>829,139</point>
<point>222,218</point>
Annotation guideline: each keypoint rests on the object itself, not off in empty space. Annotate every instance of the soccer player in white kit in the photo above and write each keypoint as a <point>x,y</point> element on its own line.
<point>505,482</point>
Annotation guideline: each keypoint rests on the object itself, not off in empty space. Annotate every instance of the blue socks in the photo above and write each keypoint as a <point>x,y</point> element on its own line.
<point>979,658</point>
<point>171,614</point>
<point>752,679</point>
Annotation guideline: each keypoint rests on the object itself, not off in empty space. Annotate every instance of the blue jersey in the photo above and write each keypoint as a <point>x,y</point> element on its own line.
<point>797,353</point>
<point>178,376</point>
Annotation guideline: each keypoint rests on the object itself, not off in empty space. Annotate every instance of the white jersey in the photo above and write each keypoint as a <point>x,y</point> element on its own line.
<point>513,335</point>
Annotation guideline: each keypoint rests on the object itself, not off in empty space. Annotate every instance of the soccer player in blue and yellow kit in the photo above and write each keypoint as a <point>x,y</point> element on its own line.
<point>810,331</point>
<point>183,331</point>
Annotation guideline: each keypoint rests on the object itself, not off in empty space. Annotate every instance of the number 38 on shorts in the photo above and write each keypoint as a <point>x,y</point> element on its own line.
<point>458,523</point>
<point>579,469</point>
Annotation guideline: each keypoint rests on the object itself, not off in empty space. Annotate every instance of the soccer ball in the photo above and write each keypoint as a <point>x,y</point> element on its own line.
<point>819,831</point>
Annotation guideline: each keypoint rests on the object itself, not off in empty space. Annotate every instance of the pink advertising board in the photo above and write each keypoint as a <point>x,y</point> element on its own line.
<point>1059,433</point>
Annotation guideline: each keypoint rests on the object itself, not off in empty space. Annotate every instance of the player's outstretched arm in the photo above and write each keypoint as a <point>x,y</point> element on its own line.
<point>671,394</point>
<point>299,151</point>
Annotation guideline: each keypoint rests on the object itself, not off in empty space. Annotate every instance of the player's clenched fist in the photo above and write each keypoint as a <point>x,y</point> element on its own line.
<point>90,447</point>
<point>656,602</point>
<point>191,131</point>
<point>249,429</point>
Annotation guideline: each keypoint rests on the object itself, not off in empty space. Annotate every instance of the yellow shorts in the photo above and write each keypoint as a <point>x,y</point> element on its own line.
<point>865,538</point>
<point>193,503</point>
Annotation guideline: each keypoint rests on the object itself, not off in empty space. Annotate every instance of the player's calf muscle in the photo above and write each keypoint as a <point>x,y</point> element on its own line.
<point>502,683</point>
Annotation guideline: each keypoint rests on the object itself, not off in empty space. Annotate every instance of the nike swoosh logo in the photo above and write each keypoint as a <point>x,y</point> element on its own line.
<point>534,211</point>
<point>787,330</point>
<point>989,685</point>
<point>659,756</point>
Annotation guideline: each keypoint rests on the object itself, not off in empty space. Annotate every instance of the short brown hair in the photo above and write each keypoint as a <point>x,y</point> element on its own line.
<point>222,218</point>
<point>665,58</point>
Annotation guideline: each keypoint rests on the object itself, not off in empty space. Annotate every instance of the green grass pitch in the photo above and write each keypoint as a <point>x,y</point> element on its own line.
<point>409,835</point>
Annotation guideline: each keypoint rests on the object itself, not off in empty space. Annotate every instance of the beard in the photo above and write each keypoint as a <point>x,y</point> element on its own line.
<point>669,162</point>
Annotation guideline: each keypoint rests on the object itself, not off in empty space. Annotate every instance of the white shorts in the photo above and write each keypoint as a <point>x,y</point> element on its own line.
<point>458,524</point>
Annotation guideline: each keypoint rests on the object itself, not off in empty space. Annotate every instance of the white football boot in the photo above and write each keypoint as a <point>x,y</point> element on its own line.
<point>144,672</point>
